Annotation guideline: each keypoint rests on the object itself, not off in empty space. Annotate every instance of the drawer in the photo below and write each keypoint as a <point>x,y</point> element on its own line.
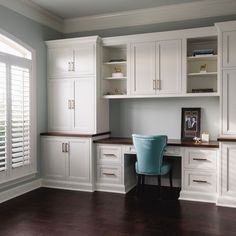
<point>200,181</point>
<point>200,158</point>
<point>129,149</point>
<point>172,151</point>
<point>109,174</point>
<point>109,154</point>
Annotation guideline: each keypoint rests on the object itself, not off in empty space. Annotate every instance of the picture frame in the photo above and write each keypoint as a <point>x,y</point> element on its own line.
<point>190,123</point>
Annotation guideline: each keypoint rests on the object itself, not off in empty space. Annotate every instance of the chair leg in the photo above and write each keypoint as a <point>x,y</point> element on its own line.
<point>170,178</point>
<point>143,179</point>
<point>139,183</point>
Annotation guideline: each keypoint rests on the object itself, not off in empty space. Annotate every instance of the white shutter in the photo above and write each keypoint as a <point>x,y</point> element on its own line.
<point>3,118</point>
<point>20,116</point>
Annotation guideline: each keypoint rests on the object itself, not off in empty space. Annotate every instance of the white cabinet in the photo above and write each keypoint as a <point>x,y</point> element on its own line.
<point>229,48</point>
<point>156,67</point>
<point>71,105</point>
<point>73,60</point>
<point>229,102</point>
<point>67,160</point>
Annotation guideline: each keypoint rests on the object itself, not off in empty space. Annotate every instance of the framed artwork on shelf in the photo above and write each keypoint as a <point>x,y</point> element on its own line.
<point>190,123</point>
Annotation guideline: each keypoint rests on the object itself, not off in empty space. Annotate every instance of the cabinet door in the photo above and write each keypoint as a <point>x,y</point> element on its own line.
<point>229,49</point>
<point>143,68</point>
<point>54,160</point>
<point>168,66</point>
<point>79,160</point>
<point>60,62</point>
<point>60,92</point>
<point>84,113</point>
<point>229,102</point>
<point>84,59</point>
<point>228,163</point>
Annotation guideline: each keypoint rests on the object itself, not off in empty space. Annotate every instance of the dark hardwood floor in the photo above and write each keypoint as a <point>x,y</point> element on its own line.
<point>60,212</point>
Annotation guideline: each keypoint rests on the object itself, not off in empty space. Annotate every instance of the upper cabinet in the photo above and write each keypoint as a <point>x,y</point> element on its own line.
<point>70,59</point>
<point>156,67</point>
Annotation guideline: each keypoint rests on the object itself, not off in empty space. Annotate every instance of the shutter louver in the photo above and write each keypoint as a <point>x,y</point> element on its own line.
<point>3,118</point>
<point>20,115</point>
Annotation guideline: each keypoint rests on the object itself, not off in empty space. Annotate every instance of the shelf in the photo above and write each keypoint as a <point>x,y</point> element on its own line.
<point>202,74</point>
<point>202,57</point>
<point>115,63</point>
<point>115,78</point>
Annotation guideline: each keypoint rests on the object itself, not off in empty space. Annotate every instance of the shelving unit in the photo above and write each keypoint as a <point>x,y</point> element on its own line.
<point>114,59</point>
<point>197,79</point>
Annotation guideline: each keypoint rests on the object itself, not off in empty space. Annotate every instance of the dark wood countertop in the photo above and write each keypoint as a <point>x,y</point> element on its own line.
<point>73,135</point>
<point>226,139</point>
<point>171,142</point>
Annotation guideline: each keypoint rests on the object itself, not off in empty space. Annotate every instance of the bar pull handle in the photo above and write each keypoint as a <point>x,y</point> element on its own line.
<point>109,155</point>
<point>72,104</point>
<point>154,84</point>
<point>109,174</point>
<point>158,84</point>
<point>63,147</point>
<point>199,159</point>
<point>67,147</point>
<point>72,66</point>
<point>200,181</point>
<point>69,66</point>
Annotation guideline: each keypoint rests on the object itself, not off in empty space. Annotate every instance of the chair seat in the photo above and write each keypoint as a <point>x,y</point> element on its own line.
<point>165,168</point>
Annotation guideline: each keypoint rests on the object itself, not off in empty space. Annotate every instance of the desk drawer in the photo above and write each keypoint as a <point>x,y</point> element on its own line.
<point>200,181</point>
<point>200,158</point>
<point>129,149</point>
<point>172,151</point>
<point>109,174</point>
<point>109,154</point>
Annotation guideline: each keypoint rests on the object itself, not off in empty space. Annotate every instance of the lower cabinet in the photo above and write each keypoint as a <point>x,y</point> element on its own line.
<point>199,174</point>
<point>227,183</point>
<point>67,162</point>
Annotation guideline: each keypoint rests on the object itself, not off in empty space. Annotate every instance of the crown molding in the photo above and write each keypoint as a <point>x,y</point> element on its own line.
<point>177,12</point>
<point>34,12</point>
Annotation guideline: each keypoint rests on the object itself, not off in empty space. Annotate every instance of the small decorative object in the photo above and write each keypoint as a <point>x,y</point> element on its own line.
<point>197,140</point>
<point>203,52</point>
<point>190,123</point>
<point>117,73</point>
<point>203,68</point>
<point>205,137</point>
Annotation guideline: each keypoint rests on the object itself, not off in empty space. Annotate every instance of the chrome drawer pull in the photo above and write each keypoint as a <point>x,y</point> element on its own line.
<point>111,174</point>
<point>200,181</point>
<point>109,155</point>
<point>199,159</point>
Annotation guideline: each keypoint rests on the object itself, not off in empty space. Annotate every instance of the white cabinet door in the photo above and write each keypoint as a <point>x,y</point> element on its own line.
<point>60,62</point>
<point>229,49</point>
<point>229,102</point>
<point>168,66</point>
<point>79,160</point>
<point>60,93</point>
<point>84,59</point>
<point>143,68</point>
<point>54,160</point>
<point>84,113</point>
<point>228,163</point>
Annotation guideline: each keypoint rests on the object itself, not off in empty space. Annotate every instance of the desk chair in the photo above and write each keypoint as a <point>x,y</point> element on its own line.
<point>150,162</point>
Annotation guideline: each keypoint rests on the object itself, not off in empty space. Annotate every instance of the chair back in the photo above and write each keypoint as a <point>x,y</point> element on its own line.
<point>149,151</point>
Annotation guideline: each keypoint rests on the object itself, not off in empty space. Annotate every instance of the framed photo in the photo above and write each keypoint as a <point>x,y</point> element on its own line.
<point>190,123</point>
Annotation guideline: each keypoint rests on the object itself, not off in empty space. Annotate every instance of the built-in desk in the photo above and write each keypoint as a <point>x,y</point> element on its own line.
<point>198,173</point>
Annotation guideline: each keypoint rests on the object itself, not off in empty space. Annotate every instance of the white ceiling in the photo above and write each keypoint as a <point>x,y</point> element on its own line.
<point>78,8</point>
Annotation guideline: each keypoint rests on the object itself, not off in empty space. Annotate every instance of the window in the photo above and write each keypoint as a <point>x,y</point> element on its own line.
<point>15,111</point>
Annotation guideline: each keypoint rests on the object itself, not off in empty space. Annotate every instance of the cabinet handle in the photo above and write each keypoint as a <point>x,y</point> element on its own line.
<point>199,159</point>
<point>69,66</point>
<point>200,181</point>
<point>69,104</point>
<point>109,155</point>
<point>158,86</point>
<point>72,104</point>
<point>73,66</point>
<point>154,84</point>
<point>67,147</point>
<point>63,147</point>
<point>110,174</point>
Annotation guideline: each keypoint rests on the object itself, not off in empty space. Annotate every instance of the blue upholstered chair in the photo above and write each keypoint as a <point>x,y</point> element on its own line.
<point>150,151</point>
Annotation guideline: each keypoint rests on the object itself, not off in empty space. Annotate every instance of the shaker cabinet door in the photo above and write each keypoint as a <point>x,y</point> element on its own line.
<point>229,49</point>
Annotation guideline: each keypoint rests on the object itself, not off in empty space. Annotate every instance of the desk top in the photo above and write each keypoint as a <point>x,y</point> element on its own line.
<point>171,142</point>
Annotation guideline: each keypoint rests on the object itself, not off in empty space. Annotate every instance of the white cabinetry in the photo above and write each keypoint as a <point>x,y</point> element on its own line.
<point>67,162</point>
<point>156,67</point>
<point>74,101</point>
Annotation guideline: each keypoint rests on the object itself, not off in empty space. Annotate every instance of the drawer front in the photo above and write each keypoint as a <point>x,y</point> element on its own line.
<point>172,151</point>
<point>109,154</point>
<point>129,149</point>
<point>109,174</point>
<point>202,159</point>
<point>200,181</point>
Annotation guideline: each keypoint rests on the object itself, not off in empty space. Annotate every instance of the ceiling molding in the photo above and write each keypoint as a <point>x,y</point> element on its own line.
<point>34,12</point>
<point>170,13</point>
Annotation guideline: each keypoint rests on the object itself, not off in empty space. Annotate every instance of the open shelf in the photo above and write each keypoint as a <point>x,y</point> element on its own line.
<point>202,57</point>
<point>115,78</point>
<point>115,63</point>
<point>202,74</point>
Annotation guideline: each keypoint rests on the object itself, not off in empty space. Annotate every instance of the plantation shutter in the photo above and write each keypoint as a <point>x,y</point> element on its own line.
<point>20,116</point>
<point>3,118</point>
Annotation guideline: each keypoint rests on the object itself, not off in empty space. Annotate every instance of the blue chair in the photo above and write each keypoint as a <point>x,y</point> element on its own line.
<point>150,151</point>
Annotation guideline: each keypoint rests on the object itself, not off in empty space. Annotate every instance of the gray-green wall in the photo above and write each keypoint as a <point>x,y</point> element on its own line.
<point>34,35</point>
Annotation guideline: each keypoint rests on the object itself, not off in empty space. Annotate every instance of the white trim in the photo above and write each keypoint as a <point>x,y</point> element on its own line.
<point>34,12</point>
<point>198,196</point>
<point>17,191</point>
<point>171,13</point>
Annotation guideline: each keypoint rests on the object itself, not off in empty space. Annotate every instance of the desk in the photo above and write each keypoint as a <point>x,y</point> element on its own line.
<point>198,167</point>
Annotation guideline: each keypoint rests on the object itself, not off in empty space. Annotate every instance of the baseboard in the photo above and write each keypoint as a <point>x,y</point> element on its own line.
<point>19,190</point>
<point>112,188</point>
<point>198,197</point>
<point>226,202</point>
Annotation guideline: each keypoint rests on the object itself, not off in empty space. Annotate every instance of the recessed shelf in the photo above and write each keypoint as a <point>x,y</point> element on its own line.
<point>115,63</point>
<point>202,74</point>
<point>202,58</point>
<point>115,78</point>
